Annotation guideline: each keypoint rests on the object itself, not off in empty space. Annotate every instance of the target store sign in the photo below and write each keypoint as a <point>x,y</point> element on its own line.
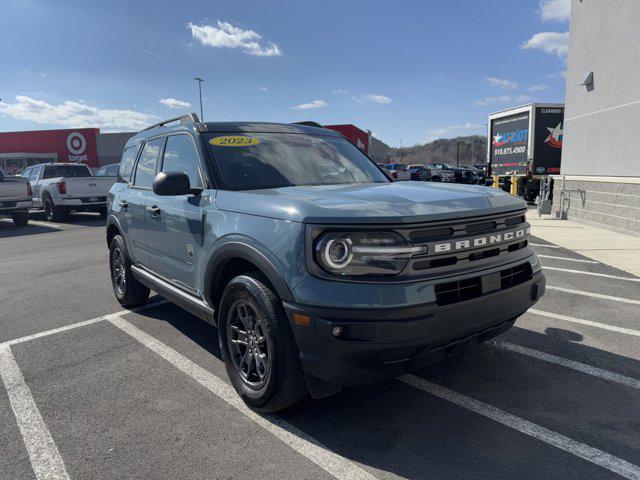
<point>77,145</point>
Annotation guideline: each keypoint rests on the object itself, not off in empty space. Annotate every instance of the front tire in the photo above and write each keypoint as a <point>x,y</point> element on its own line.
<point>20,219</point>
<point>259,351</point>
<point>128,291</point>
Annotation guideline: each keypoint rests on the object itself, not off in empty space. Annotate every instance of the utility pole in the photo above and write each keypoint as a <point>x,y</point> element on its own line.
<point>199,80</point>
<point>457,153</point>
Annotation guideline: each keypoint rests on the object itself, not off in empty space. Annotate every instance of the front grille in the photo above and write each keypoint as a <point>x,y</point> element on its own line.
<point>470,288</point>
<point>436,260</point>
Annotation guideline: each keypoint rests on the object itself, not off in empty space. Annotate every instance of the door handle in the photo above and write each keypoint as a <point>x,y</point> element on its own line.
<point>123,204</point>
<point>153,210</point>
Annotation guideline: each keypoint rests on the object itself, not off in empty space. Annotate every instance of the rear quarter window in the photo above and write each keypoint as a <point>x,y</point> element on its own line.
<point>126,164</point>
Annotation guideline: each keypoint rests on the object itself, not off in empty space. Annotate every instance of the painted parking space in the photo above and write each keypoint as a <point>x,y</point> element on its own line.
<point>146,394</point>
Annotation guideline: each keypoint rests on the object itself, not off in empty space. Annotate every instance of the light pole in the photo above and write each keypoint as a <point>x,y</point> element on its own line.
<point>199,80</point>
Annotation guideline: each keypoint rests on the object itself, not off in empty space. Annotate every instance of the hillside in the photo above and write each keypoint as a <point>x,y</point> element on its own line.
<point>441,150</point>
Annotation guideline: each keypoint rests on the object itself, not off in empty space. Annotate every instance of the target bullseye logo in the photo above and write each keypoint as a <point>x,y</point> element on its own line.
<point>76,143</point>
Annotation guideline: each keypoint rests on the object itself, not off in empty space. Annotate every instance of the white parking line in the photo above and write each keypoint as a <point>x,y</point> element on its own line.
<point>84,323</point>
<point>43,453</point>
<point>591,454</point>
<point>565,362</point>
<point>335,464</point>
<point>604,326</point>
<point>45,224</point>
<point>567,259</point>
<point>543,245</point>
<point>582,272</point>
<point>595,295</point>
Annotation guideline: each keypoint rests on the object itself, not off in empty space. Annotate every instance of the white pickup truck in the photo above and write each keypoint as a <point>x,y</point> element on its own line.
<point>60,188</point>
<point>15,198</point>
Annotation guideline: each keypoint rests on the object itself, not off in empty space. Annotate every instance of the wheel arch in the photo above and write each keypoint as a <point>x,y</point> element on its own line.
<point>235,258</point>
<point>113,229</point>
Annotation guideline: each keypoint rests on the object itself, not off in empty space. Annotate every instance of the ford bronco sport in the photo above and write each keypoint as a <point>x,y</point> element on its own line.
<point>318,271</point>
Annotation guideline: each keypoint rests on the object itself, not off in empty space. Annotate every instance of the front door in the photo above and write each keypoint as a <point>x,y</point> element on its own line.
<point>175,224</point>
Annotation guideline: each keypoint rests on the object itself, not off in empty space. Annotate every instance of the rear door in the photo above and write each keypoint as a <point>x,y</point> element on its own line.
<point>175,223</point>
<point>133,202</point>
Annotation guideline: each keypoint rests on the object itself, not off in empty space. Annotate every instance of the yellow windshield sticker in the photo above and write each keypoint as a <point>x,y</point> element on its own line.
<point>234,141</point>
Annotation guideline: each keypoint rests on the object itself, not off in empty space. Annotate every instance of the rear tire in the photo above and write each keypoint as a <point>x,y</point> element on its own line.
<point>51,212</point>
<point>436,179</point>
<point>20,219</point>
<point>258,347</point>
<point>129,291</point>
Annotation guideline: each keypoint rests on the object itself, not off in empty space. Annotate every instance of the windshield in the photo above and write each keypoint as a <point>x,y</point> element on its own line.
<point>267,160</point>
<point>54,171</point>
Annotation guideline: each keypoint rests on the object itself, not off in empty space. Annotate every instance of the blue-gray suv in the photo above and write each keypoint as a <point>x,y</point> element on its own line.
<point>318,270</point>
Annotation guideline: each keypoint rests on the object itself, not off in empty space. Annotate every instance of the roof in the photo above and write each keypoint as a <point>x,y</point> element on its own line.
<point>229,127</point>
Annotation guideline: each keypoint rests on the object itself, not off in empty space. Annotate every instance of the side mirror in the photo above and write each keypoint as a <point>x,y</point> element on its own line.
<point>173,184</point>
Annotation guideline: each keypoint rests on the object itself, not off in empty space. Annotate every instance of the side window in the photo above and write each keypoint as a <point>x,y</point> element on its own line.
<point>112,170</point>
<point>146,166</point>
<point>26,173</point>
<point>34,174</point>
<point>126,164</point>
<point>102,172</point>
<point>180,156</point>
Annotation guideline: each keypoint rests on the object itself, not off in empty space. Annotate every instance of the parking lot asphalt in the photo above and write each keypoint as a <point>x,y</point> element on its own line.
<point>90,391</point>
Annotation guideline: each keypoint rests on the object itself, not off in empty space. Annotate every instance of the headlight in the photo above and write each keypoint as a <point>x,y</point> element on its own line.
<point>363,253</point>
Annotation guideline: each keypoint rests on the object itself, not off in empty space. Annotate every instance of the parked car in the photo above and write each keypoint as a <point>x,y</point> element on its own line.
<point>439,174</point>
<point>60,188</point>
<point>419,173</point>
<point>398,171</point>
<point>318,271</point>
<point>15,198</point>
<point>462,175</point>
<point>479,174</point>
<point>108,170</point>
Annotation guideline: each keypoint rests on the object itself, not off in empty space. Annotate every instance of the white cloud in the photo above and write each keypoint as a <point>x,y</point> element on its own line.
<point>555,10</point>
<point>226,35</point>
<point>262,89</point>
<point>502,83</point>
<point>174,103</point>
<point>556,43</point>
<point>372,97</point>
<point>537,88</point>
<point>377,98</point>
<point>75,114</point>
<point>310,105</point>
<point>340,91</point>
<point>483,102</point>
<point>453,130</point>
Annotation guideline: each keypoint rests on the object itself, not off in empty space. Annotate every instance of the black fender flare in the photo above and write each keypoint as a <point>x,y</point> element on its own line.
<point>236,249</point>
<point>112,221</point>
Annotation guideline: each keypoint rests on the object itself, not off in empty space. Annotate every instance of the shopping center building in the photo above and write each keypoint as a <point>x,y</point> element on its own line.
<point>18,150</point>
<point>600,174</point>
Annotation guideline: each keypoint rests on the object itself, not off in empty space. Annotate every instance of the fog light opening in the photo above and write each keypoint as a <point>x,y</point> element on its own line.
<point>337,331</point>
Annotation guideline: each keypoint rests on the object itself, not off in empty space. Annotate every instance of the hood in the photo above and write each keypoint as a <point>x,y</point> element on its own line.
<point>397,202</point>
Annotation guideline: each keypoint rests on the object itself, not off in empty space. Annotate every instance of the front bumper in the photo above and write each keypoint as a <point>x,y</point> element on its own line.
<point>378,344</point>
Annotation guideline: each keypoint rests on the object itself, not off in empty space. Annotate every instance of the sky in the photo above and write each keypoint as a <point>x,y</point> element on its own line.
<point>409,71</point>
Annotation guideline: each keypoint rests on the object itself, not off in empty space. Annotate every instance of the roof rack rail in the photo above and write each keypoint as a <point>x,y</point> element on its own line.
<point>184,118</point>
<point>308,123</point>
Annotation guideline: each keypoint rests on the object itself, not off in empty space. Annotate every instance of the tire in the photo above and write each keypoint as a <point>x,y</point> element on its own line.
<point>276,381</point>
<point>128,291</point>
<point>436,179</point>
<point>51,212</point>
<point>20,219</point>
